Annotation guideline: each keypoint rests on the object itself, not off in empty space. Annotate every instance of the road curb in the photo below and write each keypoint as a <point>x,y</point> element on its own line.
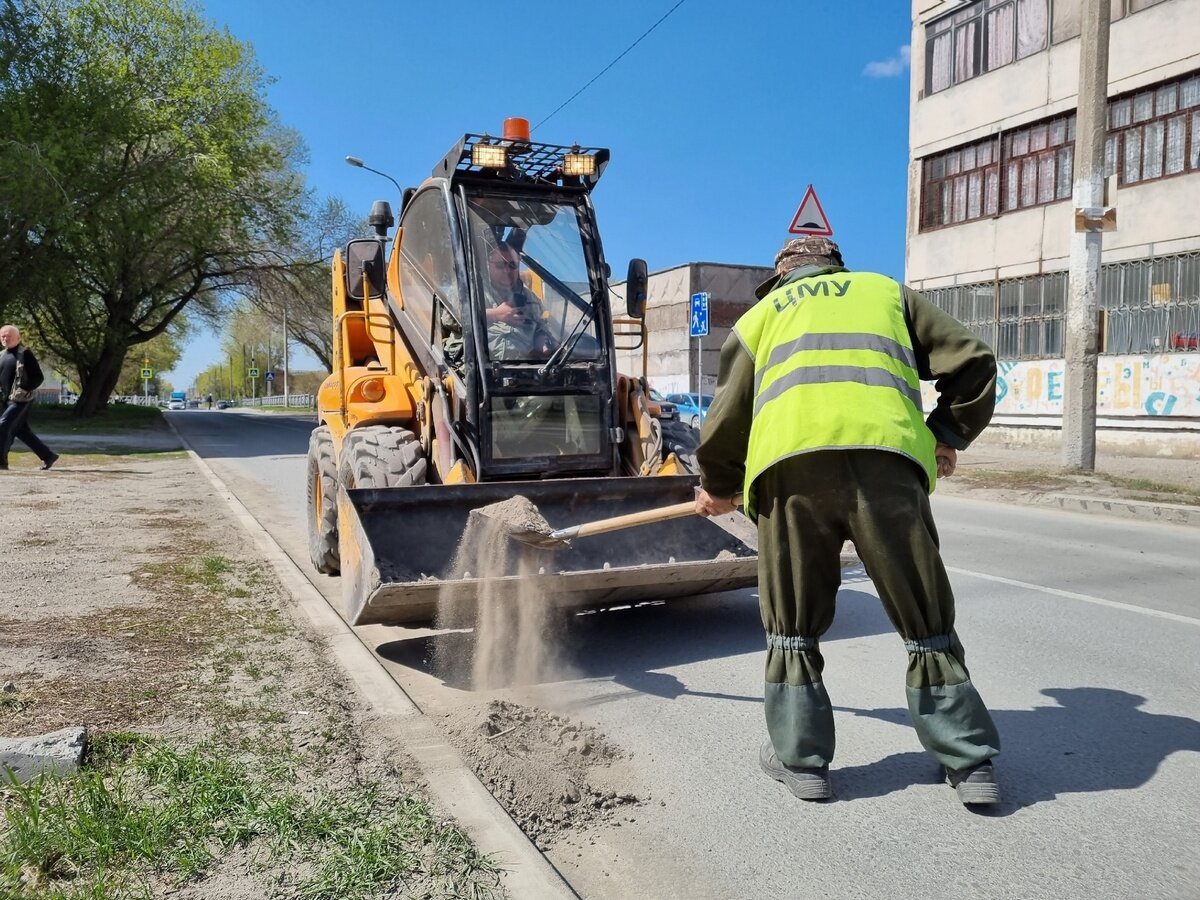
<point>527,872</point>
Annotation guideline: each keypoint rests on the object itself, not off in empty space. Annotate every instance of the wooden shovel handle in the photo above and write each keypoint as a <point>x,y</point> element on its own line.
<point>616,523</point>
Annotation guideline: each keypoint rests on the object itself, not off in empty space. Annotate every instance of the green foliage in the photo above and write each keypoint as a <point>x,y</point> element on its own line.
<point>141,810</point>
<point>143,171</point>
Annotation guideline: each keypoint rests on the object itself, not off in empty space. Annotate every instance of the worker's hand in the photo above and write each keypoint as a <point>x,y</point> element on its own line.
<point>947,459</point>
<point>708,505</point>
<point>507,313</point>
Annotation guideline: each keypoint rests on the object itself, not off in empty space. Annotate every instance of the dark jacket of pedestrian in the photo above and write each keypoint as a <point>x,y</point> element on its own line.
<point>20,376</point>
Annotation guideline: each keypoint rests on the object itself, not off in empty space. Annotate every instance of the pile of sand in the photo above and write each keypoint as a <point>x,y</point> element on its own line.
<point>550,773</point>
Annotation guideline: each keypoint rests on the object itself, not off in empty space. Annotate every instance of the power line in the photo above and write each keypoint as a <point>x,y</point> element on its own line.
<point>610,65</point>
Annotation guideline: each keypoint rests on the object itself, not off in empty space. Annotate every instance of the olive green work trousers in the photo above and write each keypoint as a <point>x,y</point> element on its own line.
<point>809,505</point>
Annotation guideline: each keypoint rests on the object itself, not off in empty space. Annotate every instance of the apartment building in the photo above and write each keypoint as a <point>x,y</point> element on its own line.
<point>990,212</point>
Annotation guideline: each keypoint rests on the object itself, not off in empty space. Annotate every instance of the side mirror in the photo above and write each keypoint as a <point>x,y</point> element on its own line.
<point>636,286</point>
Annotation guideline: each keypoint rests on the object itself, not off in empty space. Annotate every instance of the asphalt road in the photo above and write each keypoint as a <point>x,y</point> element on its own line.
<point>1083,635</point>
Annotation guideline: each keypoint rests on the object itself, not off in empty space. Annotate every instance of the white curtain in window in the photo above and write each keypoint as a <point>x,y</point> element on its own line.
<point>1196,140</point>
<point>1133,156</point>
<point>1190,92</point>
<point>1046,178</point>
<point>965,63</point>
<point>975,195</point>
<point>1031,27</point>
<point>1000,36</point>
<point>940,67</point>
<point>1029,181</point>
<point>1176,139</point>
<point>1152,164</point>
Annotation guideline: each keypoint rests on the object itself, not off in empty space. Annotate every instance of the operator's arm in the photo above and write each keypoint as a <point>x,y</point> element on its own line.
<point>962,367</point>
<point>726,430</point>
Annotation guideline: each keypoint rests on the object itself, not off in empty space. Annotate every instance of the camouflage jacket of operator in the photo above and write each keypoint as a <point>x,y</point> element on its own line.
<point>959,363</point>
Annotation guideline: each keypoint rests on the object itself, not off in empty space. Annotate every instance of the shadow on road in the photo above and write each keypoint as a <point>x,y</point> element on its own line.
<point>1094,739</point>
<point>630,646</point>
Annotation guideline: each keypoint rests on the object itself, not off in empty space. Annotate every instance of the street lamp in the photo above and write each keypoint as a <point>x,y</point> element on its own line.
<point>359,164</point>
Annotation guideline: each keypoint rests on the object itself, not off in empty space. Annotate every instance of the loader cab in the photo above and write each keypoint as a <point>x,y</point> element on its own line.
<point>542,343</point>
<point>530,393</point>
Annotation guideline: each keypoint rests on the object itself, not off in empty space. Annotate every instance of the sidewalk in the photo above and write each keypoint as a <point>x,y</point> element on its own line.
<point>1153,488</point>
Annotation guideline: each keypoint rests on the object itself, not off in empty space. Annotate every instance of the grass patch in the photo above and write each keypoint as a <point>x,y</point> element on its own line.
<point>1185,495</point>
<point>114,418</point>
<point>141,812</point>
<point>1043,480</point>
<point>267,787</point>
<point>1017,480</point>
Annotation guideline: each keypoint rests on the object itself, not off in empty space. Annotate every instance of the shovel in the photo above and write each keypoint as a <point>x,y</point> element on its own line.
<point>555,540</point>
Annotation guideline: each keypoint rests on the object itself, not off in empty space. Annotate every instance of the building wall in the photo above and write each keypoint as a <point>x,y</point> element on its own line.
<point>1148,46</point>
<point>1157,236</point>
<point>672,360</point>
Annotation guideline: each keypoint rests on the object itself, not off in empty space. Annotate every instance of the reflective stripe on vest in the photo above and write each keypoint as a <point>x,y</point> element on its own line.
<point>834,368</point>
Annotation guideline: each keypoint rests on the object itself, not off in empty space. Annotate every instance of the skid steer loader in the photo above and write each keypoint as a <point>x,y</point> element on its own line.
<point>455,387</point>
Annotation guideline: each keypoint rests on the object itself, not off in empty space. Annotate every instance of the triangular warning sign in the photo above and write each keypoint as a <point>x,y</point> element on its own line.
<point>810,218</point>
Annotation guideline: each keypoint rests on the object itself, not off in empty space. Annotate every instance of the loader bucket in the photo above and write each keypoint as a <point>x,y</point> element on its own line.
<point>398,546</point>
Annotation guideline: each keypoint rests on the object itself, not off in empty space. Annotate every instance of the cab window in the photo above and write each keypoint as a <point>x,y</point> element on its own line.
<point>427,271</point>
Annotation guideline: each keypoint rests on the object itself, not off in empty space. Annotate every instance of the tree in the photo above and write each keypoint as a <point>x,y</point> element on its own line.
<point>163,353</point>
<point>173,182</point>
<point>303,287</point>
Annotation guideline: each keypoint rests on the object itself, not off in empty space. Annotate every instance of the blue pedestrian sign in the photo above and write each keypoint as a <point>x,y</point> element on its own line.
<point>270,376</point>
<point>699,318</point>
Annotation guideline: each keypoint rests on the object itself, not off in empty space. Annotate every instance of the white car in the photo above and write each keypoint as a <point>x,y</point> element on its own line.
<point>176,404</point>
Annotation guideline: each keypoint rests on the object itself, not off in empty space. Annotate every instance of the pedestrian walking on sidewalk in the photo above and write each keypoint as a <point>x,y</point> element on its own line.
<point>817,418</point>
<point>20,376</point>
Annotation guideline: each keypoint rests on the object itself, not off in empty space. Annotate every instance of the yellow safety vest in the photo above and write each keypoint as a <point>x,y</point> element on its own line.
<point>834,369</point>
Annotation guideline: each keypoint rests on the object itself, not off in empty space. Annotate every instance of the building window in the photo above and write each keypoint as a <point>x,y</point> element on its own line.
<point>1152,133</point>
<point>980,37</point>
<point>1150,305</point>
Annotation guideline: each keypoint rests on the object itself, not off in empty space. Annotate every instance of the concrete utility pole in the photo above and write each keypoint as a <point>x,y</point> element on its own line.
<point>1079,390</point>
<point>285,357</point>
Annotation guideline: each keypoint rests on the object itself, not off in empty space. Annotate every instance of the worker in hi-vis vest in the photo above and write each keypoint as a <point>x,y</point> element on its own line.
<point>817,419</point>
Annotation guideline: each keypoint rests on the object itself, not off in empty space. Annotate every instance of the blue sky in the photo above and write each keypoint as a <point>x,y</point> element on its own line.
<point>717,120</point>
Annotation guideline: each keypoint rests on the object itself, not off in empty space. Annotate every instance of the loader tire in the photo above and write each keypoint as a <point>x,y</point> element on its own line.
<point>382,457</point>
<point>322,503</point>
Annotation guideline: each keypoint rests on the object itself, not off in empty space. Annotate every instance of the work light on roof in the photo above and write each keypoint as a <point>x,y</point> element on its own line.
<point>489,156</point>
<point>578,164</point>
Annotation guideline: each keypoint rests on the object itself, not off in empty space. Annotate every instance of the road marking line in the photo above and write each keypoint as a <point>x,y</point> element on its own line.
<point>1071,595</point>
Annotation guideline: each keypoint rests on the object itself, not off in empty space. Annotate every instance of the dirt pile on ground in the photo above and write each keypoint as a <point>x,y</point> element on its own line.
<point>551,774</point>
<point>515,628</point>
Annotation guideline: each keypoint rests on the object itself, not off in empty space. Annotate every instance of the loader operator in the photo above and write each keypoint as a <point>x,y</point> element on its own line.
<point>817,417</point>
<point>514,315</point>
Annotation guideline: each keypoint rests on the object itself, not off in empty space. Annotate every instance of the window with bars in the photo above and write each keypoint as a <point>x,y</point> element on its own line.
<point>980,37</point>
<point>1151,306</point>
<point>1152,133</point>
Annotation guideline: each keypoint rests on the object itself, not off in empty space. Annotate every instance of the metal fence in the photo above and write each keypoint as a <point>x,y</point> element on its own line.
<point>1150,306</point>
<point>300,401</point>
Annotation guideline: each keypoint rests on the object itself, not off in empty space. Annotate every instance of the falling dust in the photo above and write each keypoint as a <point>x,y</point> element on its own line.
<point>516,627</point>
<point>551,774</point>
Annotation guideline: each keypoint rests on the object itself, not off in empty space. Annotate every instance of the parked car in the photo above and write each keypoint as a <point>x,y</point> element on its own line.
<point>692,407</point>
<point>222,404</point>
<point>667,411</point>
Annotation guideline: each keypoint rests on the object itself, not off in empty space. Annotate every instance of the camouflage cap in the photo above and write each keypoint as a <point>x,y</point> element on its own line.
<point>812,251</point>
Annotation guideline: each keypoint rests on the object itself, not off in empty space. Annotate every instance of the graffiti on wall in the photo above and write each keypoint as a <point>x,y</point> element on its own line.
<point>1166,384</point>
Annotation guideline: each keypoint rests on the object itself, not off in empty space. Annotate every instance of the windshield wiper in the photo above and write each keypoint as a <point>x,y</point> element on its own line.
<point>564,349</point>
